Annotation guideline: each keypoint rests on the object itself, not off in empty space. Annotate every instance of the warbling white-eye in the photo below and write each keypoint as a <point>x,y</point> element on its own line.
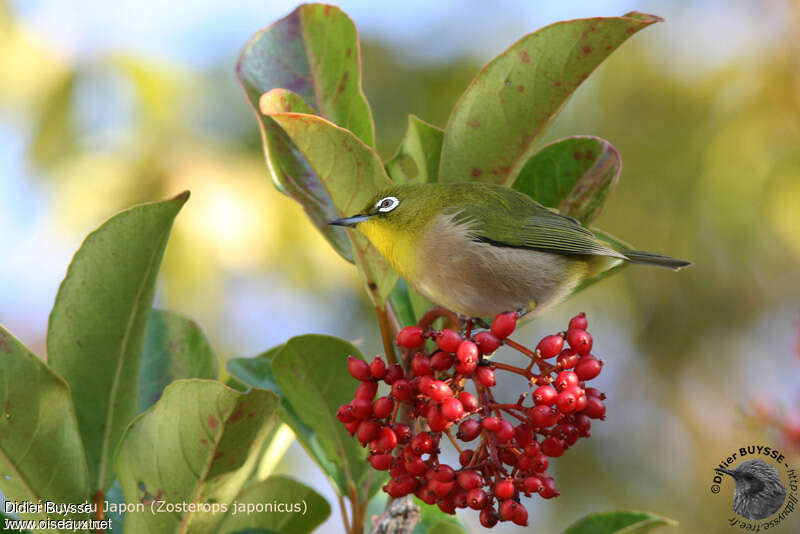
<point>482,249</point>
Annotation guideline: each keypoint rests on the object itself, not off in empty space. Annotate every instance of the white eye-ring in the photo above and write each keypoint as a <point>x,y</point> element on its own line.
<point>387,204</point>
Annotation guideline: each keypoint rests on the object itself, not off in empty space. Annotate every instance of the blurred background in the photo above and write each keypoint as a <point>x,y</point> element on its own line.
<point>107,104</point>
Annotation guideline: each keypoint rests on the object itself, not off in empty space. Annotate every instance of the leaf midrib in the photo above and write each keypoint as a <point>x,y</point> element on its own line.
<point>121,360</point>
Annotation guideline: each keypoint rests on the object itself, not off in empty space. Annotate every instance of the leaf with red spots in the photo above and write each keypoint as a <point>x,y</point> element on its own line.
<point>174,347</point>
<point>575,174</point>
<point>162,453</point>
<point>493,128</point>
<point>41,454</point>
<point>307,62</point>
<point>340,175</point>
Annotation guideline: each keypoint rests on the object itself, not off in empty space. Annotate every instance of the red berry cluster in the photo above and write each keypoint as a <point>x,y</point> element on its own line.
<point>404,428</point>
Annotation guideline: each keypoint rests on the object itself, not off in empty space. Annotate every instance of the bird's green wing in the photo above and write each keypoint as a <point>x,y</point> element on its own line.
<point>530,225</point>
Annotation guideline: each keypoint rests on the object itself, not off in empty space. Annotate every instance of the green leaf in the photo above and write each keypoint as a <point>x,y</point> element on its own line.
<point>408,304</point>
<point>351,174</point>
<point>417,158</point>
<point>622,522</point>
<point>257,372</point>
<point>311,371</point>
<point>445,527</point>
<point>493,128</point>
<point>313,52</point>
<point>198,445</point>
<point>434,521</point>
<point>575,175</point>
<point>96,332</point>
<point>174,347</point>
<point>312,509</point>
<point>41,454</point>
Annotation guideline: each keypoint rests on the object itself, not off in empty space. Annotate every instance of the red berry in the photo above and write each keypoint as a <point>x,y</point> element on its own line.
<point>549,346</point>
<point>540,463</point>
<point>567,359</point>
<point>441,489</point>
<point>595,408</point>
<point>583,424</point>
<point>467,352</point>
<point>367,431</point>
<point>525,463</point>
<point>476,498</point>
<point>504,432</point>
<point>486,341</point>
<point>485,376</point>
<point>367,390</point>
<point>548,490</point>
<point>377,368</point>
<point>381,462</point>
<point>345,414</point>
<point>415,466</point>
<point>465,457</point>
<point>410,337</point>
<point>403,432</point>
<point>580,340</point>
<point>448,340</point>
<point>566,401</point>
<point>580,401</point>
<point>421,444</point>
<point>442,361</point>
<point>438,390</point>
<point>588,367</point>
<point>504,489</point>
<point>532,449</point>
<point>531,484</point>
<point>552,447</point>
<point>578,322</point>
<point>401,390</point>
<point>466,368</point>
<point>523,434</point>
<point>566,379</point>
<point>352,426</point>
<point>491,424</point>
<point>468,400</point>
<point>437,421</point>
<point>469,430</point>
<point>488,518</point>
<point>508,509</point>
<point>452,409</point>
<point>358,368</point>
<point>469,480</point>
<point>361,408</point>
<point>542,416</point>
<point>444,473</point>
<point>594,392</point>
<point>520,516</point>
<point>421,365</point>
<point>383,407</point>
<point>393,373</point>
<point>504,324</point>
<point>386,440</point>
<point>545,395</point>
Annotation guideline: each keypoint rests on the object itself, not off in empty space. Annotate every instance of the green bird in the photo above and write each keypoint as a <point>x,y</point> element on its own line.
<point>481,249</point>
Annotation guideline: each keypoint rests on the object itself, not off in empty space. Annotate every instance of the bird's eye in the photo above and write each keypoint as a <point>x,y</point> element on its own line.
<point>387,204</point>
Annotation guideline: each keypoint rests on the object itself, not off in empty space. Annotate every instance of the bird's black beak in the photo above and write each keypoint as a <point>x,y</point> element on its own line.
<point>726,471</point>
<point>349,221</point>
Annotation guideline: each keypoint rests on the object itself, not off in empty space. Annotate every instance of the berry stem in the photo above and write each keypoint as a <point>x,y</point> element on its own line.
<point>343,508</point>
<point>453,441</point>
<point>514,369</point>
<point>386,333</point>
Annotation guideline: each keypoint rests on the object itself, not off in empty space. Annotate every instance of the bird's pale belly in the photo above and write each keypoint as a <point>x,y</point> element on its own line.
<point>482,280</point>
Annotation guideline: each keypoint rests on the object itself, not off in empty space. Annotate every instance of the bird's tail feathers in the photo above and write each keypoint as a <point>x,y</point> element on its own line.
<point>651,258</point>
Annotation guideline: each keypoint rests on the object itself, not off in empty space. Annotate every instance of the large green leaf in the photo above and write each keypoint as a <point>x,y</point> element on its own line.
<point>313,52</point>
<point>196,447</point>
<point>175,347</point>
<point>41,454</point>
<point>351,174</point>
<point>575,175</point>
<point>307,62</point>
<point>417,158</point>
<point>304,509</point>
<point>493,128</point>
<point>311,371</point>
<point>257,372</point>
<point>96,332</point>
<point>619,522</point>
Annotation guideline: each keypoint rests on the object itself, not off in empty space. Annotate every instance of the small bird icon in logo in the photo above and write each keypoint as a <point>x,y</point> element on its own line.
<point>759,491</point>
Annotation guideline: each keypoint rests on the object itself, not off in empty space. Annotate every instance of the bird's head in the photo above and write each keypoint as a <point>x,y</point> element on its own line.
<point>752,476</point>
